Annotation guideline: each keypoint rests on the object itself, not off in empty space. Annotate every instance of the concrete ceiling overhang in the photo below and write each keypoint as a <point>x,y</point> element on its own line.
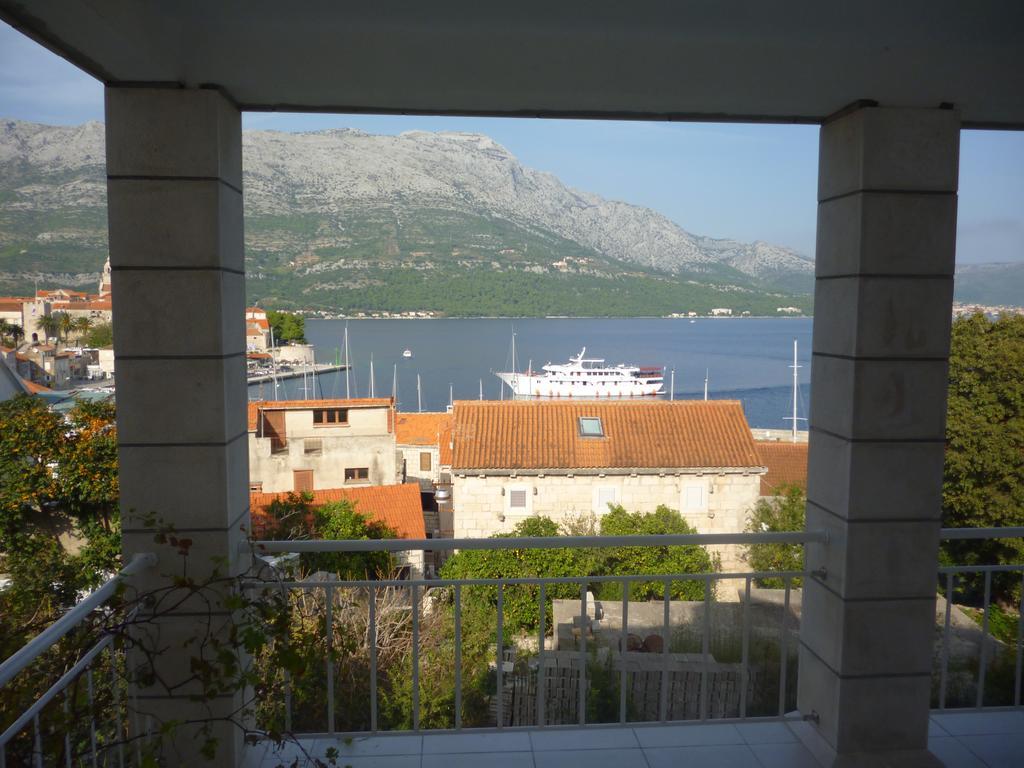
<point>744,60</point>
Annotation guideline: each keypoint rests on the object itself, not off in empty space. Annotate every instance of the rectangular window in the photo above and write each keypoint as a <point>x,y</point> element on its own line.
<point>590,426</point>
<point>329,416</point>
<point>312,447</point>
<point>517,499</point>
<point>603,496</point>
<point>425,461</point>
<point>302,480</point>
<point>355,474</point>
<point>256,487</point>
<point>693,498</point>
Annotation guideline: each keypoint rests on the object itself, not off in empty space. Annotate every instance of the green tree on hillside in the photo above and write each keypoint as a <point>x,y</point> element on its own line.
<point>287,327</point>
<point>984,473</point>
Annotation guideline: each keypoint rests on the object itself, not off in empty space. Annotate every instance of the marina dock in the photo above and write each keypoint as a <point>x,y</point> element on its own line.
<point>297,372</point>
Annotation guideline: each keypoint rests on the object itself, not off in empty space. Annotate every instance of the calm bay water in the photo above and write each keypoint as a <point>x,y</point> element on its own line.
<point>747,359</point>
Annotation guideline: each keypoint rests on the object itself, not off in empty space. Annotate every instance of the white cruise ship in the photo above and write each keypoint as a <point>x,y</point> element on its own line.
<point>586,377</point>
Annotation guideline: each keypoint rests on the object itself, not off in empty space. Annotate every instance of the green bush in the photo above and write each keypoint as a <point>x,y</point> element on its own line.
<point>785,512</point>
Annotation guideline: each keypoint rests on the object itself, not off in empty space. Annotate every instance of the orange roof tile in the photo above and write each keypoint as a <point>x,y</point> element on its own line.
<point>255,406</point>
<point>34,388</point>
<point>257,324</point>
<point>12,303</point>
<point>93,304</point>
<point>648,434</point>
<point>400,507</point>
<point>421,428</point>
<point>787,465</point>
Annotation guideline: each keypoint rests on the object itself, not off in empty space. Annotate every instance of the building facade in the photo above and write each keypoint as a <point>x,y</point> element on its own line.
<point>309,445</point>
<point>419,437</point>
<point>567,460</point>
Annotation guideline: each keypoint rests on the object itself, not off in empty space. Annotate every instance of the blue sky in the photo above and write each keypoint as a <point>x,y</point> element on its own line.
<point>749,182</point>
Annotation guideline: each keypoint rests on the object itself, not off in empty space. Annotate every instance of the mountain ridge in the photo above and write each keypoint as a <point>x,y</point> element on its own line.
<point>353,203</point>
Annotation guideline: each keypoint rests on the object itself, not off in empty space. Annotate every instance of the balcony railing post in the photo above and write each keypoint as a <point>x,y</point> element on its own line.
<point>665,658</point>
<point>500,670</point>
<point>623,643</point>
<point>458,656</point>
<point>542,609</point>
<point>983,653</point>
<point>582,713</point>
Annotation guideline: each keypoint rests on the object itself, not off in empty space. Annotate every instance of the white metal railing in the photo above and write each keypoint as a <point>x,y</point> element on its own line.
<point>949,578</point>
<point>44,641</point>
<point>415,589</point>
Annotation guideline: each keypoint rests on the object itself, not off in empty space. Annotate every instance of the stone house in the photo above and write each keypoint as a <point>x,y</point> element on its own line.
<point>310,445</point>
<point>565,460</point>
<point>419,437</point>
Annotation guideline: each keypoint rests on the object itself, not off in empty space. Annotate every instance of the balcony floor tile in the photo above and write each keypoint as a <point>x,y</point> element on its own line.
<point>959,739</point>
<point>716,756</point>
<point>600,758</point>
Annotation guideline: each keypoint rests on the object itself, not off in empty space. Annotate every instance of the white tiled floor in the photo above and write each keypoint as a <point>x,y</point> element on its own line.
<point>959,740</point>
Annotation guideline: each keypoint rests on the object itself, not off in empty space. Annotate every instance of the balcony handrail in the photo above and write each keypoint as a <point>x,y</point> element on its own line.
<point>45,639</point>
<point>535,542</point>
<point>950,534</point>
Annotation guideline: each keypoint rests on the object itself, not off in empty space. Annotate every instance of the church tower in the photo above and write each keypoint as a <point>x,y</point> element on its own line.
<point>105,279</point>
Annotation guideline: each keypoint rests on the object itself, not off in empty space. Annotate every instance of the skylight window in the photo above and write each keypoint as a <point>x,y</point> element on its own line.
<point>590,426</point>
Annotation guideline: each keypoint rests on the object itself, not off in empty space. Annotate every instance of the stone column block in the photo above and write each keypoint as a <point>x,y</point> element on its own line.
<point>174,167</point>
<point>883,295</point>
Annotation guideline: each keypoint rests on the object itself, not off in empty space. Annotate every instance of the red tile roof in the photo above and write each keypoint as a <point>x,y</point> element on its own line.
<point>421,428</point>
<point>257,324</point>
<point>34,388</point>
<point>400,507</point>
<point>651,434</point>
<point>12,303</point>
<point>787,465</point>
<point>93,304</point>
<point>255,406</point>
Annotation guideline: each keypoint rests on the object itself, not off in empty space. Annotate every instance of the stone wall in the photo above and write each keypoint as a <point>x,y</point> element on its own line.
<point>710,503</point>
<point>410,454</point>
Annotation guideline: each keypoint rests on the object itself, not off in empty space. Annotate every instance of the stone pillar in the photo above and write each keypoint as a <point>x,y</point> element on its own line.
<point>883,295</point>
<point>174,165</point>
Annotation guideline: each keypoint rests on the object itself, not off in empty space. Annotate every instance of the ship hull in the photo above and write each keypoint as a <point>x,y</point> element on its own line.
<point>537,385</point>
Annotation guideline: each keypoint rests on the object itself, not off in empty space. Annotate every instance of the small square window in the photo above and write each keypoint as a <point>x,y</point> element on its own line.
<point>590,426</point>
<point>318,416</point>
<point>312,447</point>
<point>256,487</point>
<point>517,499</point>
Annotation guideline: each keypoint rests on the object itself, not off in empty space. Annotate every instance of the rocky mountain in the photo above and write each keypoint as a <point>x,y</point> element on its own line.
<point>347,219</point>
<point>999,284</point>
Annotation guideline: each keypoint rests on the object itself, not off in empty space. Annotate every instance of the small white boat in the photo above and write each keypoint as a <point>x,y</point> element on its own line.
<point>407,353</point>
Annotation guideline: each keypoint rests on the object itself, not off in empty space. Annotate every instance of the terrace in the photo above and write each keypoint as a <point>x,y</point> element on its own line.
<point>891,94</point>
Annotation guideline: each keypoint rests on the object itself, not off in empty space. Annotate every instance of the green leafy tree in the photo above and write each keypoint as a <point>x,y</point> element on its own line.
<point>287,326</point>
<point>784,512</point>
<point>984,470</point>
<point>82,326</point>
<point>100,336</point>
<point>652,560</point>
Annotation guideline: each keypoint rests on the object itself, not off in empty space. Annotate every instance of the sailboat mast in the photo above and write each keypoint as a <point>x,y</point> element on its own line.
<point>394,385</point>
<point>273,361</point>
<point>451,394</point>
<point>348,393</point>
<point>419,395</point>
<point>707,372</point>
<point>481,389</point>
<point>795,385</point>
<point>672,386</point>
<point>373,389</point>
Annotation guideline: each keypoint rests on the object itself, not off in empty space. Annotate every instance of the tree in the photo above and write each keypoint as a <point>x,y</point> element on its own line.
<point>287,327</point>
<point>652,560</point>
<point>983,484</point>
<point>784,512</point>
<point>100,336</point>
<point>11,332</point>
<point>49,325</point>
<point>295,517</point>
<point>82,326</point>
<point>65,324</point>
<point>520,602</point>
